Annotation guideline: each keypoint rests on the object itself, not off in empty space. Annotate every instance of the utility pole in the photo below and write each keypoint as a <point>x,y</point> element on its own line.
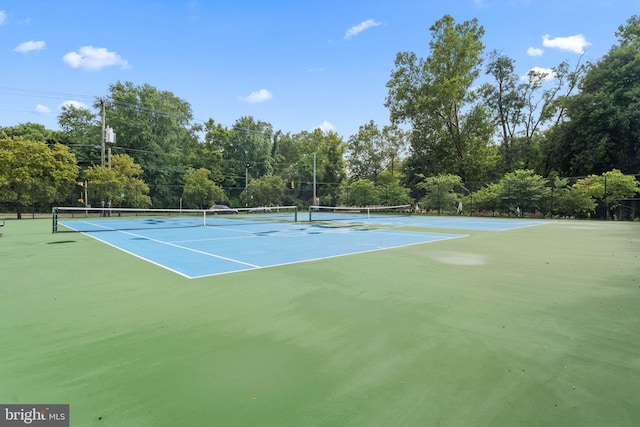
<point>102,134</point>
<point>110,138</point>
<point>246,185</point>
<point>315,201</point>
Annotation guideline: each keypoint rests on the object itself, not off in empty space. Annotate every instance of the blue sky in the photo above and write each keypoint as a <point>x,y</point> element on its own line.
<point>295,64</point>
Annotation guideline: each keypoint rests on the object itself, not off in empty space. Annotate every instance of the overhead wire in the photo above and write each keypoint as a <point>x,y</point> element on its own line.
<point>117,102</point>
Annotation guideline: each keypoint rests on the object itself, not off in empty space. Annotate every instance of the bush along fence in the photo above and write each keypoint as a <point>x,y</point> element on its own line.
<point>610,196</point>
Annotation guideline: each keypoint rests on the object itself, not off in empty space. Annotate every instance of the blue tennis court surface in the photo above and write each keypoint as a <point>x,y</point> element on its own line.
<point>446,222</point>
<point>233,245</point>
<point>205,251</point>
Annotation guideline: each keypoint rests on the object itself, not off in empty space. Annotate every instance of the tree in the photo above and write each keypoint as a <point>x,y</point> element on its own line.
<point>366,152</point>
<point>328,150</point>
<point>118,185</point>
<point>441,191</point>
<point>246,151</point>
<point>505,100</point>
<point>363,192</point>
<point>155,128</point>
<point>251,141</point>
<point>449,133</point>
<point>371,150</point>
<point>267,190</point>
<point>522,109</point>
<point>34,132</point>
<point>391,192</point>
<point>32,171</point>
<point>568,199</point>
<point>486,198</point>
<point>610,187</point>
<point>396,146</point>
<point>200,192</point>
<point>603,130</point>
<point>523,189</point>
<point>82,130</point>
<point>333,167</point>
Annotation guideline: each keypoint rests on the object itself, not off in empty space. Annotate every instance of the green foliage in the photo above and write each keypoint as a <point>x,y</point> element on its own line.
<point>629,33</point>
<point>34,132</point>
<point>504,99</point>
<point>391,192</point>
<point>366,152</point>
<point>363,192</point>
<point>34,171</point>
<point>522,109</point>
<point>249,142</point>
<point>524,189</point>
<point>521,189</point>
<point>82,129</point>
<point>200,192</point>
<point>371,150</point>
<point>208,154</point>
<point>331,173</point>
<point>486,198</point>
<point>154,127</point>
<point>570,199</point>
<point>443,191</point>
<point>611,186</point>
<point>529,191</point>
<point>267,190</point>
<point>603,132</point>
<point>109,184</point>
<point>449,133</point>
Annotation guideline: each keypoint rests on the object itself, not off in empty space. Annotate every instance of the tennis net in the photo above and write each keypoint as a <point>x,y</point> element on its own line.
<point>78,219</point>
<point>355,213</point>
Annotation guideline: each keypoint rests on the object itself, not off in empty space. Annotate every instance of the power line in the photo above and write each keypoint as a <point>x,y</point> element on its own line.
<point>117,102</point>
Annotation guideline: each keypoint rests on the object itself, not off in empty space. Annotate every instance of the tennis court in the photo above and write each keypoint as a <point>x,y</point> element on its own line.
<point>534,326</point>
<point>204,251</point>
<point>430,222</point>
<point>197,246</point>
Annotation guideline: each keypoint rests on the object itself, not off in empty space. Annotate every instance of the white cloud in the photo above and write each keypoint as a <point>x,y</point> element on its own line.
<point>30,46</point>
<point>534,51</point>
<point>42,109</point>
<point>94,58</point>
<point>73,103</point>
<point>357,29</point>
<point>256,97</point>
<point>574,44</point>
<point>547,73</point>
<point>326,127</point>
<point>3,17</point>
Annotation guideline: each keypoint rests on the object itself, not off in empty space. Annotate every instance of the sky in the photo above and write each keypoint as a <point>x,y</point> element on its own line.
<point>296,64</point>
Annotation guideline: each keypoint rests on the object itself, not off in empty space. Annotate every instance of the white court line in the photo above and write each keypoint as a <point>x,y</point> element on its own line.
<point>189,249</point>
<point>168,244</point>
<point>267,266</point>
<point>212,239</point>
<point>334,256</point>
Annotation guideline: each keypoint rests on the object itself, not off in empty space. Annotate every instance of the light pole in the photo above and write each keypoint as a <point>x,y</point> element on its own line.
<point>246,185</point>
<point>315,201</point>
<point>102,146</point>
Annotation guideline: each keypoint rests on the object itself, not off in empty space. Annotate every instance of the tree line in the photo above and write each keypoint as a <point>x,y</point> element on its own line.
<point>449,141</point>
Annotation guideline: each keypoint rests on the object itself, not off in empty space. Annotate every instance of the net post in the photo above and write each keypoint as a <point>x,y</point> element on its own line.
<point>204,218</point>
<point>295,214</point>
<point>54,220</point>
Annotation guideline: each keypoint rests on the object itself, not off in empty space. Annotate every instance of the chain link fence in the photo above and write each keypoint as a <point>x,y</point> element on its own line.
<point>545,198</point>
